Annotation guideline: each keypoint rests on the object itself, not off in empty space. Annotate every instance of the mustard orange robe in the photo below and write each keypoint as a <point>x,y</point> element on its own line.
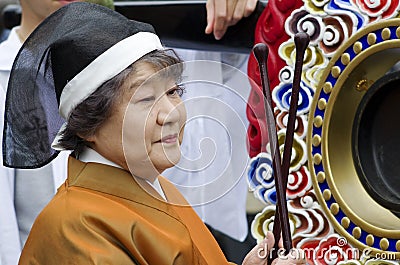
<point>102,215</point>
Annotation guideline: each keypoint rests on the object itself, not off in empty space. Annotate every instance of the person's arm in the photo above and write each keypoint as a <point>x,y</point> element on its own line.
<point>224,13</point>
<point>10,247</point>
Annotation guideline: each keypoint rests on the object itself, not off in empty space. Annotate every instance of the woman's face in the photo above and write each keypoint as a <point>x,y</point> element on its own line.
<point>143,134</point>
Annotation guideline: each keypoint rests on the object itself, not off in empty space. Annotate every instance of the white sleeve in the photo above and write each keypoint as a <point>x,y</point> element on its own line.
<point>10,246</point>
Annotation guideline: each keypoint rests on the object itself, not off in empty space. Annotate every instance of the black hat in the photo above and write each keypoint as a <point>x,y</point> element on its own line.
<point>68,56</point>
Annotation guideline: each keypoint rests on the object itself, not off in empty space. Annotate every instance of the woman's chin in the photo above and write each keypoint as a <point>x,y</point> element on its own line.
<point>167,162</point>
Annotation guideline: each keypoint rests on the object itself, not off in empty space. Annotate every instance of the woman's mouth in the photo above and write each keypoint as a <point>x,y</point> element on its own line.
<point>169,139</point>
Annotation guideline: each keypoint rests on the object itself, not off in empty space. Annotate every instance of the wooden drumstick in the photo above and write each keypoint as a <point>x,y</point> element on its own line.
<point>281,172</point>
<point>301,41</point>
<point>261,53</point>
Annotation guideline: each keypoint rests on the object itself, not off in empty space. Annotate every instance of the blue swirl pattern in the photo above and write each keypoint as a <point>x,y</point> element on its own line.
<point>261,179</point>
<point>281,96</point>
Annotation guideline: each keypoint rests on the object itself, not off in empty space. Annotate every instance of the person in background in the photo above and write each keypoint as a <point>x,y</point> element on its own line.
<point>4,31</point>
<point>124,123</point>
<point>24,192</point>
<point>223,14</point>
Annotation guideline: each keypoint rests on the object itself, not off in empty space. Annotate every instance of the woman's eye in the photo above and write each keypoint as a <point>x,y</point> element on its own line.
<point>148,99</point>
<point>178,90</point>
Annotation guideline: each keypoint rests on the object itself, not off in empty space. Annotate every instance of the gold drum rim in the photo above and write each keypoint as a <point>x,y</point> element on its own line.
<point>348,199</point>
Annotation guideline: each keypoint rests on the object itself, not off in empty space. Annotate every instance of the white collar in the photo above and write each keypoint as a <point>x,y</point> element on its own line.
<point>89,155</point>
<point>9,50</point>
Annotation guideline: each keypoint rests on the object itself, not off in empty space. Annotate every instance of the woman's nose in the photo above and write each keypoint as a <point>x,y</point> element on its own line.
<point>167,111</point>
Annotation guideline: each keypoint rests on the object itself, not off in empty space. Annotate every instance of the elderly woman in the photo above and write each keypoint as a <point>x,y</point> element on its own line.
<point>118,97</point>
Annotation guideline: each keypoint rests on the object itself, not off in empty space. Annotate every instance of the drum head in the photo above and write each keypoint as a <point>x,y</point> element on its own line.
<point>376,141</point>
